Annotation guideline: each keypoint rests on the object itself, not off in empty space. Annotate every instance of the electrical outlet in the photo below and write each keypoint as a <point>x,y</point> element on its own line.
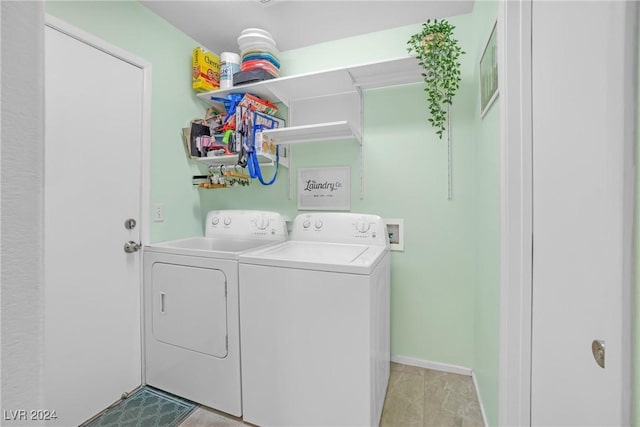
<point>158,212</point>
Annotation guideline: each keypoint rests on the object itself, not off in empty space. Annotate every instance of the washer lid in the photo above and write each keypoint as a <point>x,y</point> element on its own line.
<point>208,247</point>
<point>336,257</point>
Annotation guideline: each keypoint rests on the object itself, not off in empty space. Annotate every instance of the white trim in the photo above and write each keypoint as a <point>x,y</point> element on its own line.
<point>630,399</point>
<point>39,260</point>
<point>91,40</point>
<point>145,166</point>
<point>145,178</point>
<point>516,194</point>
<point>436,366</point>
<point>479,397</point>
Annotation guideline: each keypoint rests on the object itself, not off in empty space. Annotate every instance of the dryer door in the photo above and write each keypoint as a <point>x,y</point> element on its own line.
<point>190,308</point>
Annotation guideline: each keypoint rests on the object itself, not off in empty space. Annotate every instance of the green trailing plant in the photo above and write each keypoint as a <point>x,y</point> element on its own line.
<point>438,53</point>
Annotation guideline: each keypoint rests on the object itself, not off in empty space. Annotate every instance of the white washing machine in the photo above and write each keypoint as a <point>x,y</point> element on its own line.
<point>191,330</point>
<point>314,320</point>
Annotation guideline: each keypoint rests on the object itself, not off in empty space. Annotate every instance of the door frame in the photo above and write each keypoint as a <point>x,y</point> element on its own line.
<point>145,154</point>
<point>516,212</point>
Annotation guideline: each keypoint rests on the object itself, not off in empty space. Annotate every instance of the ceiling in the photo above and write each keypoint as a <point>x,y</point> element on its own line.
<point>216,24</point>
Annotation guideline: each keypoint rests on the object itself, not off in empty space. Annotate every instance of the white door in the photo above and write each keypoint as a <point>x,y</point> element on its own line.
<point>583,105</point>
<point>93,140</point>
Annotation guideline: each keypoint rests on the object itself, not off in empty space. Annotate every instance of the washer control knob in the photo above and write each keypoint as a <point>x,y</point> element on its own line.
<point>227,221</point>
<point>319,224</point>
<point>215,220</point>
<point>262,222</point>
<point>306,223</point>
<point>362,226</point>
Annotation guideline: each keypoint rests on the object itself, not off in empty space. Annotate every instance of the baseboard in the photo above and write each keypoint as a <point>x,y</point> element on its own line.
<point>444,367</point>
<point>475,385</point>
<point>454,369</point>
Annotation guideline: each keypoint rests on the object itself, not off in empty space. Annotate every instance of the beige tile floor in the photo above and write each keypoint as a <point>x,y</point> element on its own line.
<point>415,397</point>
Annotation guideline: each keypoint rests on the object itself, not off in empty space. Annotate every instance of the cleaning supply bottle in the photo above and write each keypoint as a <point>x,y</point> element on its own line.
<point>229,64</point>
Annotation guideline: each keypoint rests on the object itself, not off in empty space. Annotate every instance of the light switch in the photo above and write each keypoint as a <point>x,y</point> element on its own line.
<point>158,212</point>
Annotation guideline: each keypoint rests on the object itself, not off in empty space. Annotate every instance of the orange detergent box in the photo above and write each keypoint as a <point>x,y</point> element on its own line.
<point>206,70</point>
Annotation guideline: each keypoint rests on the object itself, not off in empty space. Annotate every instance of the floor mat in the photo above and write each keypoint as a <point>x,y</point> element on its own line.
<point>146,407</point>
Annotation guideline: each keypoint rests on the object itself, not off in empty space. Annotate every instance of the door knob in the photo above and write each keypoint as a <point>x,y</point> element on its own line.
<point>131,247</point>
<point>597,348</point>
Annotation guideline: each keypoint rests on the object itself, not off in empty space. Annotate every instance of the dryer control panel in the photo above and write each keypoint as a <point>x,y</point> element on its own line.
<point>340,227</point>
<point>246,224</point>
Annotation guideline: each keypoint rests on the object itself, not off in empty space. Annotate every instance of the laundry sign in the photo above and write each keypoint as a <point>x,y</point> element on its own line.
<point>324,188</point>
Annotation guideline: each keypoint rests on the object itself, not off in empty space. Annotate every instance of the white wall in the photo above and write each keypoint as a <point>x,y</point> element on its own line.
<point>22,109</point>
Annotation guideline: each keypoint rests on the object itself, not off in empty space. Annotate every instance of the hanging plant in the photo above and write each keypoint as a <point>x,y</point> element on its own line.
<point>438,53</point>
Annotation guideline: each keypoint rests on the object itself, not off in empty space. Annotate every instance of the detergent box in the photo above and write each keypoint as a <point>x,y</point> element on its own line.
<point>263,144</point>
<point>258,104</point>
<point>205,71</point>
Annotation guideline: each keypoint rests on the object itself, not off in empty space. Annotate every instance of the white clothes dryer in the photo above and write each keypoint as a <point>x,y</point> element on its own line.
<point>191,317</point>
<point>314,319</point>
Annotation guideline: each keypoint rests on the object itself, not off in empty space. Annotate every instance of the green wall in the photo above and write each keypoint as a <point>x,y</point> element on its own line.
<point>487,271</point>
<point>445,284</point>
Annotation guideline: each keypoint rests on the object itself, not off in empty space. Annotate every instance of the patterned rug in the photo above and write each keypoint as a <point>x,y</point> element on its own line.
<point>146,407</point>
